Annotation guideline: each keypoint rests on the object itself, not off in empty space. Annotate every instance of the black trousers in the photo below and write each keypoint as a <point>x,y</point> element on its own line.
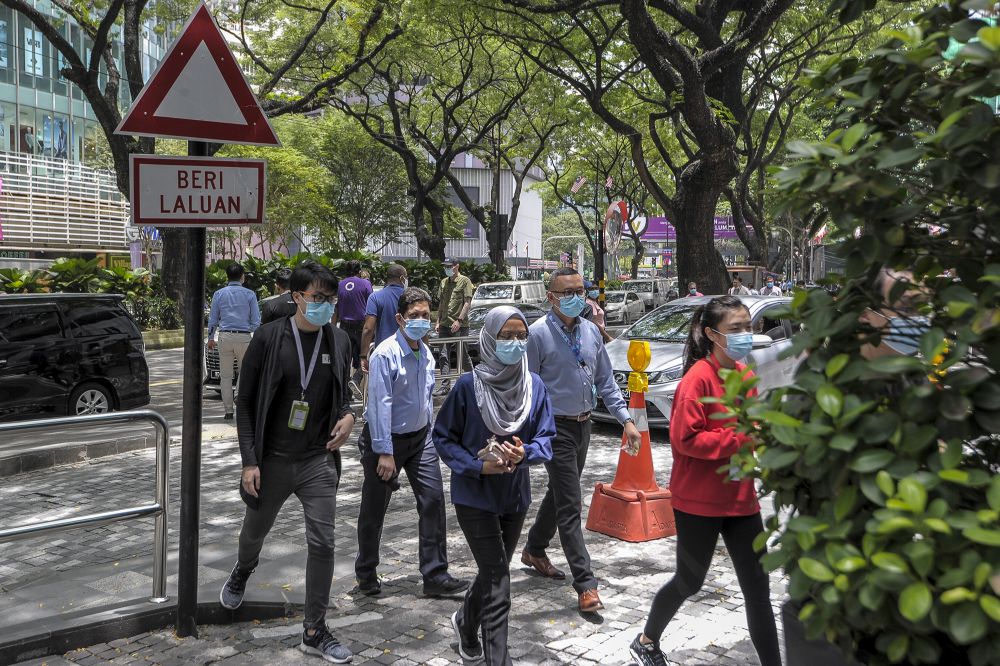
<point>492,539</point>
<point>353,330</point>
<point>444,360</point>
<point>562,506</point>
<point>696,539</point>
<point>414,453</point>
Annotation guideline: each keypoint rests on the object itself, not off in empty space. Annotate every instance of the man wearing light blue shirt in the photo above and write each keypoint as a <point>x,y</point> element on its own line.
<point>567,352</point>
<point>236,315</point>
<point>396,437</point>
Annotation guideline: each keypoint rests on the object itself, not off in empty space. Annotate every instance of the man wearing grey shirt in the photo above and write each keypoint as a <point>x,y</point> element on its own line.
<point>568,353</point>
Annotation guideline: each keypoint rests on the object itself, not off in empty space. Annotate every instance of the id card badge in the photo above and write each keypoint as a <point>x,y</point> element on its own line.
<point>297,417</point>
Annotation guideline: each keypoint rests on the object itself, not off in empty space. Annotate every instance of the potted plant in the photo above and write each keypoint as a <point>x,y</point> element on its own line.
<point>885,468</point>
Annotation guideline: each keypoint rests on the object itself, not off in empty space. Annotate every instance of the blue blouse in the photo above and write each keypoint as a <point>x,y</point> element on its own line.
<point>459,434</point>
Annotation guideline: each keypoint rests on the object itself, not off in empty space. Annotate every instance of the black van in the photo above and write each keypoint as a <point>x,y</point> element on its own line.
<point>67,354</point>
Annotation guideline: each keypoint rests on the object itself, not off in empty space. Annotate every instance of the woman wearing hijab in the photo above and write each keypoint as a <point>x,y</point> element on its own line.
<point>501,401</point>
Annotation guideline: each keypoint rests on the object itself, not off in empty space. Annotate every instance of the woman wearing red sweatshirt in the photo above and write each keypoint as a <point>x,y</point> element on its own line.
<point>707,503</point>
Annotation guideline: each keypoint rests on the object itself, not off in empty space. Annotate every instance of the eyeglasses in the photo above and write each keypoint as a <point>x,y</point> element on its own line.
<point>569,293</point>
<point>513,336</point>
<point>316,297</point>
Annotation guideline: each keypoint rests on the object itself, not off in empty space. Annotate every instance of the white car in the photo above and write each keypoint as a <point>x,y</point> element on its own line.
<point>623,307</point>
<point>666,330</point>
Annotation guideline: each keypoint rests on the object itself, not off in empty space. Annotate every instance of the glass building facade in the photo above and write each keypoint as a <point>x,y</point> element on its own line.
<point>41,113</point>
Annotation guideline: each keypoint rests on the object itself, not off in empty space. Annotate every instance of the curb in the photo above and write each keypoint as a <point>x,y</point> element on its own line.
<point>31,461</point>
<point>122,622</point>
<point>171,339</point>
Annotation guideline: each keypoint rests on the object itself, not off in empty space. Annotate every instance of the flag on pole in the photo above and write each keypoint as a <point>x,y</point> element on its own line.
<point>609,183</point>
<point>577,184</point>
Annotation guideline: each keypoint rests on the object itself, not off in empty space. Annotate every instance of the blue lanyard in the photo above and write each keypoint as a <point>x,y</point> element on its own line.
<point>574,344</point>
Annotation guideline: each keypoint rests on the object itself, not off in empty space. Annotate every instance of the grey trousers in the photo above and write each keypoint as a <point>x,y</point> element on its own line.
<point>562,506</point>
<point>314,481</point>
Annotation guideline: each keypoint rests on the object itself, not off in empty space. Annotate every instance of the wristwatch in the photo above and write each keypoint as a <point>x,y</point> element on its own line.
<point>628,420</point>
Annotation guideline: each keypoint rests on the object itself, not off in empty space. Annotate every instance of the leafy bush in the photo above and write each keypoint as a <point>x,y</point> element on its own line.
<point>888,469</point>
<point>19,281</point>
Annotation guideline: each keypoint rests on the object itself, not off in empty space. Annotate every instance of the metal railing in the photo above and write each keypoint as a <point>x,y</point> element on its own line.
<point>158,509</point>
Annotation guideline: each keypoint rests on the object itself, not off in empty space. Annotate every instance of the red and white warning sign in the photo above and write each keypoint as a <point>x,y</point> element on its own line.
<point>199,93</point>
<point>196,191</point>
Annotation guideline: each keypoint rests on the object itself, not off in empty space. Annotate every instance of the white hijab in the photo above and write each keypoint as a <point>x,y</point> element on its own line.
<point>503,392</point>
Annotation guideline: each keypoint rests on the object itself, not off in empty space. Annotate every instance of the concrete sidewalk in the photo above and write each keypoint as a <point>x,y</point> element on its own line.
<point>107,567</point>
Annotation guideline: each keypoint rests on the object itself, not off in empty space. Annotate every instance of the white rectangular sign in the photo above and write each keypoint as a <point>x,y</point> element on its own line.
<point>197,191</point>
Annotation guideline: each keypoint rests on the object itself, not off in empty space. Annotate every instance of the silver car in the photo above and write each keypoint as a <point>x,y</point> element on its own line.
<point>666,330</point>
<point>623,307</point>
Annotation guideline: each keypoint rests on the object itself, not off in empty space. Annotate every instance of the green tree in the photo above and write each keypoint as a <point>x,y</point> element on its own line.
<point>368,203</point>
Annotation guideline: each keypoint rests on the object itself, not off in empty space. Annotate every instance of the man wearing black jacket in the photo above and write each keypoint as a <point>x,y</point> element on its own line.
<point>293,415</point>
<point>281,304</point>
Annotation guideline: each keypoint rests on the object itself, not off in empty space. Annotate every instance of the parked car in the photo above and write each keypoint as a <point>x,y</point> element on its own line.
<point>505,293</point>
<point>654,292</point>
<point>666,330</point>
<point>69,354</point>
<point>622,307</point>
<point>477,316</point>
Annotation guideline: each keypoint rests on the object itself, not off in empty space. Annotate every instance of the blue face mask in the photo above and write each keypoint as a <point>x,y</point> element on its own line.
<point>693,291</point>
<point>572,306</point>
<point>593,293</point>
<point>770,284</point>
<point>416,329</point>
<point>903,334</point>
<point>738,345</point>
<point>319,314</point>
<point>449,271</point>
<point>510,352</point>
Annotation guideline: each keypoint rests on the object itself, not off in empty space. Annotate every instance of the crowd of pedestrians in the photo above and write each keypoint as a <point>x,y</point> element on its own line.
<point>526,402</point>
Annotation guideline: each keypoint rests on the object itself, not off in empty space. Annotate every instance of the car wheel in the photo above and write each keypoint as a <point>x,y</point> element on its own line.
<point>91,398</point>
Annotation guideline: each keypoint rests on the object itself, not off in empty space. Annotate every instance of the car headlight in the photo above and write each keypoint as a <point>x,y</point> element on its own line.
<point>668,375</point>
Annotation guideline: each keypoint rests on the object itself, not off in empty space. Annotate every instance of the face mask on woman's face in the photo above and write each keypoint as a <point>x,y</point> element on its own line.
<point>510,352</point>
<point>415,329</point>
<point>738,345</point>
<point>593,293</point>
<point>693,291</point>
<point>903,334</point>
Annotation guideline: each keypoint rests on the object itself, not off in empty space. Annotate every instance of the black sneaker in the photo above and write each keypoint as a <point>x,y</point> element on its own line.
<point>469,652</point>
<point>370,588</point>
<point>322,644</point>
<point>445,587</point>
<point>231,595</point>
<point>227,417</point>
<point>647,655</point>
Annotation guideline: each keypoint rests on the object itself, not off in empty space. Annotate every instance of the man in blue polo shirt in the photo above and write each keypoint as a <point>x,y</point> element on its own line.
<point>380,312</point>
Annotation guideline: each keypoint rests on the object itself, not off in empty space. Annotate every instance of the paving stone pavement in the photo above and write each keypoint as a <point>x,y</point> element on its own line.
<point>399,627</point>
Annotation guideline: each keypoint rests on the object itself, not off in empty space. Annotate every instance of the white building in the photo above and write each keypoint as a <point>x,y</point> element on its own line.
<point>477,178</point>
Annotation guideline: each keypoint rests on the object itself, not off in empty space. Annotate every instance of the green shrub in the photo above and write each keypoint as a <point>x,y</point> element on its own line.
<point>889,469</point>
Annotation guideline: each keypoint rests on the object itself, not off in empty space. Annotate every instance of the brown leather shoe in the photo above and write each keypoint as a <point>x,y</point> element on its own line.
<point>542,565</point>
<point>590,602</point>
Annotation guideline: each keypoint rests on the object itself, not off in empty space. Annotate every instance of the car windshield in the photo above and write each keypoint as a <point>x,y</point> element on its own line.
<point>495,291</point>
<point>639,286</point>
<point>669,325</point>
<point>477,315</point>
<point>615,296</point>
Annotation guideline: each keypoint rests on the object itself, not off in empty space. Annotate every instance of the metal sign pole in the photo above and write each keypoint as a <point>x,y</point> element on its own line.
<point>187,568</point>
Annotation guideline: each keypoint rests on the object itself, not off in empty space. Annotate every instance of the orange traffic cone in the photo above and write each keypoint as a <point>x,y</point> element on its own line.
<point>634,508</point>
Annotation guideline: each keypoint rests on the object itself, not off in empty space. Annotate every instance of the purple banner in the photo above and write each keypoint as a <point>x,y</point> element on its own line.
<point>658,229</point>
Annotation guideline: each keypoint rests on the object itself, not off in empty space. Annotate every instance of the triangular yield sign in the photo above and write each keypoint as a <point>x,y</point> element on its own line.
<point>199,93</point>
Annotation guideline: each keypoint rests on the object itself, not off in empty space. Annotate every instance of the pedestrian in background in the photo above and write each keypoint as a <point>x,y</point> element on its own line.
<point>456,298</point>
<point>500,399</point>
<point>596,312</point>
<point>567,352</point>
<point>693,290</point>
<point>705,502</point>
<point>380,312</point>
<point>281,304</point>
<point>770,288</point>
<point>352,298</point>
<point>396,437</point>
<point>738,289</point>
<point>235,314</point>
<point>294,416</point>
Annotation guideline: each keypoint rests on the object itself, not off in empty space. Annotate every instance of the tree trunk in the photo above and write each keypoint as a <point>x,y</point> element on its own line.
<point>174,248</point>
<point>698,190</point>
<point>636,259</point>
<point>431,242</point>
